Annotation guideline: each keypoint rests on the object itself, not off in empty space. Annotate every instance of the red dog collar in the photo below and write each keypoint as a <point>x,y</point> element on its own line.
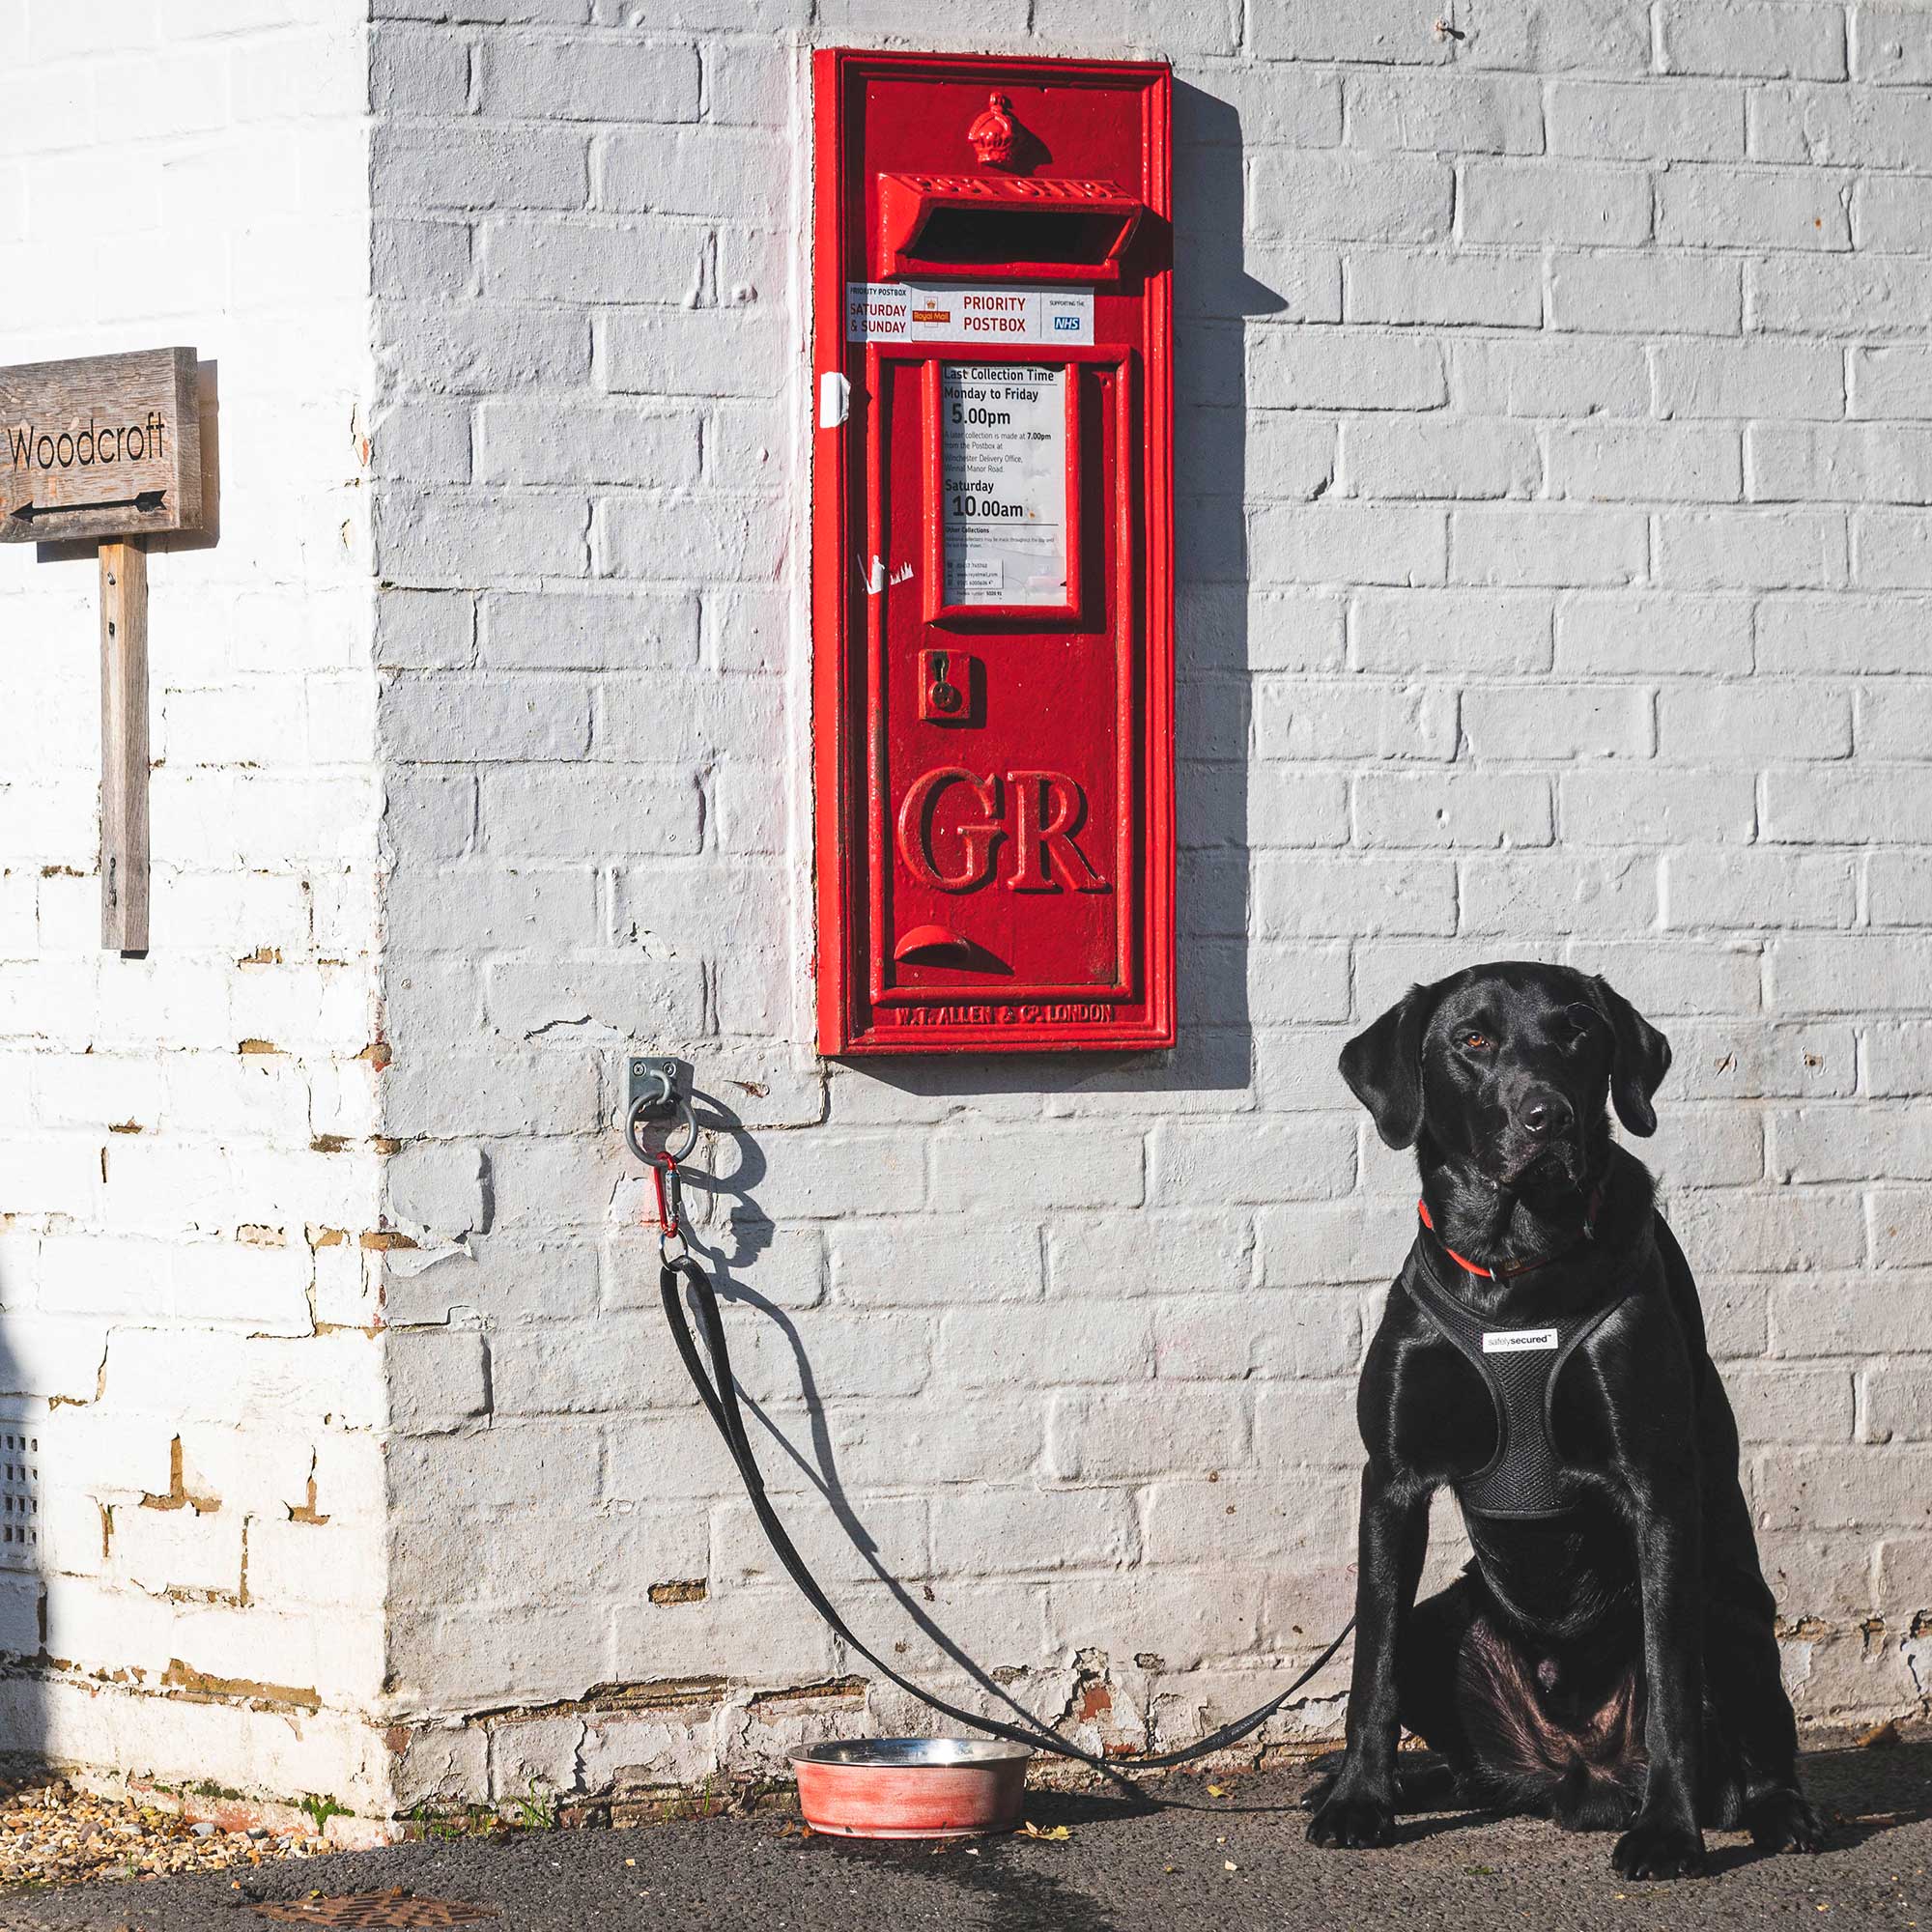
<point>1514,1268</point>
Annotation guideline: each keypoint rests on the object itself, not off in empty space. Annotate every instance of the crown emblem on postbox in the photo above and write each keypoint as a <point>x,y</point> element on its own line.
<point>995,134</point>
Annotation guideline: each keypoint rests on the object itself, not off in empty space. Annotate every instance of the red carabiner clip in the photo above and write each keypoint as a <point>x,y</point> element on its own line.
<point>663,1176</point>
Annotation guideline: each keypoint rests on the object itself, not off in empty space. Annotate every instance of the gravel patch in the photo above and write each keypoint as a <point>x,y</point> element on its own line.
<point>52,1834</point>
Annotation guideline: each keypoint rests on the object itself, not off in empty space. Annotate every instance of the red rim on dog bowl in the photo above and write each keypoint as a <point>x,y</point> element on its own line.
<point>910,1787</point>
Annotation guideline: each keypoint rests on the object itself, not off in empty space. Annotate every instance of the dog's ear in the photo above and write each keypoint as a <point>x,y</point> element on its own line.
<point>1383,1066</point>
<point>1640,1057</point>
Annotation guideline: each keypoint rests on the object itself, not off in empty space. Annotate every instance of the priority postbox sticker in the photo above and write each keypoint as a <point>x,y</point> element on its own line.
<point>913,312</point>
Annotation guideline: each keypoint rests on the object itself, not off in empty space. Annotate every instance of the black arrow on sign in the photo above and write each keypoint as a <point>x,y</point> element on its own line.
<point>148,500</point>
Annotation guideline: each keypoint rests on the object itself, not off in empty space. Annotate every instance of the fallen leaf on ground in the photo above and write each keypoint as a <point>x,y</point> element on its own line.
<point>1228,1865</point>
<point>1216,1791</point>
<point>1032,1831</point>
<point>1881,1735</point>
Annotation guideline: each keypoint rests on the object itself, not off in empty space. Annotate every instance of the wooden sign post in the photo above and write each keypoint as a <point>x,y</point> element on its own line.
<point>108,450</point>
<point>123,747</point>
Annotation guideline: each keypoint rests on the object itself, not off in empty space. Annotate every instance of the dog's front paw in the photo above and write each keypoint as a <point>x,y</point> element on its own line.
<point>1351,1821</point>
<point>1655,1848</point>
<point>1784,1822</point>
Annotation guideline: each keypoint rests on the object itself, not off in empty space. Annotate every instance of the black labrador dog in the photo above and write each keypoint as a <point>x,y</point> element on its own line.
<point>1607,1659</point>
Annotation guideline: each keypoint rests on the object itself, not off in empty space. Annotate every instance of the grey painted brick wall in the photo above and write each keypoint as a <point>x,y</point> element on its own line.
<point>1555,437</point>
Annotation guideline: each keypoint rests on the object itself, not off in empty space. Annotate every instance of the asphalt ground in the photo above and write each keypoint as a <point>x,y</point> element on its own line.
<point>1178,1858</point>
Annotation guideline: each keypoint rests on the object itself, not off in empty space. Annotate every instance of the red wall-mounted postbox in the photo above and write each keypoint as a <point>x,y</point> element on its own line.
<point>992,555</point>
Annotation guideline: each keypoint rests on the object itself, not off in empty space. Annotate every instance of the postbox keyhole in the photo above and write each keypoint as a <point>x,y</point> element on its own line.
<point>946,697</point>
<point>945,687</point>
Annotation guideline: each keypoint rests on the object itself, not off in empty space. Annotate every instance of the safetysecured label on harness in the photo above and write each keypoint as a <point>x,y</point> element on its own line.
<point>1517,1341</point>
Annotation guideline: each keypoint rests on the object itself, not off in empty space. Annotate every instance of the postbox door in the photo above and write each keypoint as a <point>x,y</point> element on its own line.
<point>1004,821</point>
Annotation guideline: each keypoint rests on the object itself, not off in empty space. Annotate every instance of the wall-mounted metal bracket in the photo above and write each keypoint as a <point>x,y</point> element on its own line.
<point>653,1080</point>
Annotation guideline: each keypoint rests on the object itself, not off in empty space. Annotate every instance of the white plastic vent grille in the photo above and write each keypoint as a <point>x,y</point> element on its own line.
<point>19,1500</point>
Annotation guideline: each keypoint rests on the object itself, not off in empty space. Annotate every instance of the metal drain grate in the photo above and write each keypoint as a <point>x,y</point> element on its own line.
<point>19,1498</point>
<point>376,1908</point>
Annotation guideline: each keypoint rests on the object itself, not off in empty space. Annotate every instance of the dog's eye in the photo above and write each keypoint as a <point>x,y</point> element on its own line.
<point>1476,1042</point>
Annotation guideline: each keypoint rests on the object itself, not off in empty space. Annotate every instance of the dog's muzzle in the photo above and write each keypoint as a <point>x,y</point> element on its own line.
<point>1538,1142</point>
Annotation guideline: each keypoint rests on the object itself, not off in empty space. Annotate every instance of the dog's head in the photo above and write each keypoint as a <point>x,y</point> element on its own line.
<point>1507,1069</point>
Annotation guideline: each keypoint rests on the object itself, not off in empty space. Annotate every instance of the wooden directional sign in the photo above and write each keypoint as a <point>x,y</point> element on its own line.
<point>102,447</point>
<point>106,449</point>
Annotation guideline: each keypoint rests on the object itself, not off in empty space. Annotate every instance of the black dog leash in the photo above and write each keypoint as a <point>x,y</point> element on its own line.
<point>720,1396</point>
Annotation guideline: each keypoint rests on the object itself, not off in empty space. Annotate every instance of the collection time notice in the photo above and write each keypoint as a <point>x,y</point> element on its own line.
<point>1003,481</point>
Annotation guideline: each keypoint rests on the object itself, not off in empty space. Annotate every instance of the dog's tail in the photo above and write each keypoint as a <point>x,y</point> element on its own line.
<point>1585,1772</point>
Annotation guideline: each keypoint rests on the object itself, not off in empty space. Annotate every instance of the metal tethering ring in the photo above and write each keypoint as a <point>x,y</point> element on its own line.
<point>644,1109</point>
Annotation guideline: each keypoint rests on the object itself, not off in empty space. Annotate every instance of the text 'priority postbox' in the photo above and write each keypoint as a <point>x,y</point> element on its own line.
<point>992,555</point>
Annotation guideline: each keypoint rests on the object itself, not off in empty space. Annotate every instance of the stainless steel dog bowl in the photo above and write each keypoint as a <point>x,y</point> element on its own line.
<point>910,1787</point>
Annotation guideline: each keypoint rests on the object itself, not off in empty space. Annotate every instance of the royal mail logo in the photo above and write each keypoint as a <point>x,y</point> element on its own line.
<point>932,315</point>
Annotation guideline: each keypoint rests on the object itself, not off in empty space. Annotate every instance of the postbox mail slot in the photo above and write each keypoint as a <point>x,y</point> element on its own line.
<point>1024,230</point>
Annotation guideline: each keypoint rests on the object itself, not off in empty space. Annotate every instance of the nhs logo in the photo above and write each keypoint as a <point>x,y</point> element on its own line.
<point>1067,325</point>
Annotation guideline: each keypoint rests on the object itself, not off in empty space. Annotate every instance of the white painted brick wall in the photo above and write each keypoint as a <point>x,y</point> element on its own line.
<point>1552,448</point>
<point>1551,444</point>
<point>187,1169</point>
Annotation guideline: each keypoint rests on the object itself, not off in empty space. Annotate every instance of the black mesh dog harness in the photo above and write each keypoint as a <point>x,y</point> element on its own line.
<point>1519,1366</point>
